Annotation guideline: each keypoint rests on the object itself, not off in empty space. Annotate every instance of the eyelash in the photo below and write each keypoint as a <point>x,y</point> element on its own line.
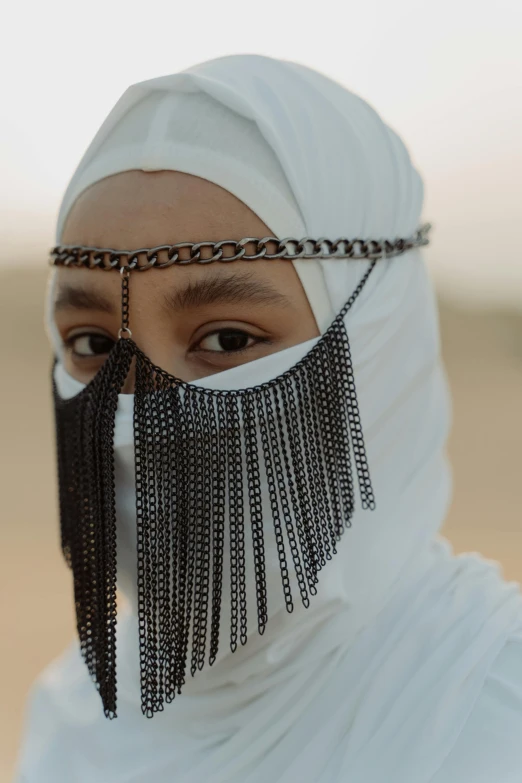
<point>69,342</point>
<point>256,341</point>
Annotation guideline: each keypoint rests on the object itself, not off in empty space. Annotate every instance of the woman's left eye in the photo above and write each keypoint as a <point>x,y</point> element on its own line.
<point>227,341</point>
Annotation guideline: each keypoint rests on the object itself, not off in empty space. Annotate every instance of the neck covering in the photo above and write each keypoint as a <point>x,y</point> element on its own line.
<point>375,681</point>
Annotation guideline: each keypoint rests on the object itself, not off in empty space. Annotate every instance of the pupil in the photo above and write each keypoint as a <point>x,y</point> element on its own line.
<point>99,344</point>
<point>232,340</point>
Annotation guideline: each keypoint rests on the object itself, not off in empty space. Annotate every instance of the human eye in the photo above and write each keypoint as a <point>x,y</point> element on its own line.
<point>87,345</point>
<point>227,340</point>
<point>217,346</point>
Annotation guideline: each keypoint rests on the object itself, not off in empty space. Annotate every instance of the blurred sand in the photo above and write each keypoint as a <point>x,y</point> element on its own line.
<point>483,353</point>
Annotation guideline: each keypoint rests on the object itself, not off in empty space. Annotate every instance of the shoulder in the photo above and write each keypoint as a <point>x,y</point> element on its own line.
<point>489,748</point>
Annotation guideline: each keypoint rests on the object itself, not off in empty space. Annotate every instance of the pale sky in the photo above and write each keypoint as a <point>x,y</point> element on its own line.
<point>446,75</point>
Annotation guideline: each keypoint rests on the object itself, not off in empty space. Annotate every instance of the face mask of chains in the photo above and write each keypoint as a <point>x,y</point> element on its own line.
<point>200,456</point>
<point>282,449</point>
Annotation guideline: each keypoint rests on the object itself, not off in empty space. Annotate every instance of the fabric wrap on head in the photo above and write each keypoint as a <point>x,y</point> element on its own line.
<point>330,693</point>
<point>196,134</point>
<point>187,123</point>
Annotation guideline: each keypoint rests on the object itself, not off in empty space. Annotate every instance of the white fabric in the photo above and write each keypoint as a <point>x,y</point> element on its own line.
<point>194,133</point>
<point>408,653</point>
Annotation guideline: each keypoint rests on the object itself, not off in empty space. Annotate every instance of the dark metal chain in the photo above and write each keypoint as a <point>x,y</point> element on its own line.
<point>287,249</point>
<point>125,275</point>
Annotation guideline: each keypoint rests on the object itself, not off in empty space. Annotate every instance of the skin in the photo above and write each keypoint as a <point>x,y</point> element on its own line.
<point>193,321</point>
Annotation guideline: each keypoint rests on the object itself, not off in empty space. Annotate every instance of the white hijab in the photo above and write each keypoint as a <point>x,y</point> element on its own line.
<point>376,681</point>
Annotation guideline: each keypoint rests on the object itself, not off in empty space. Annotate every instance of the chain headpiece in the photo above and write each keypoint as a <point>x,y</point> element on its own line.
<point>210,466</point>
<point>183,253</point>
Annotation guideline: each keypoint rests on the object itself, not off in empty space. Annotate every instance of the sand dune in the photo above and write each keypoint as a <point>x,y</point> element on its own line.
<point>483,353</point>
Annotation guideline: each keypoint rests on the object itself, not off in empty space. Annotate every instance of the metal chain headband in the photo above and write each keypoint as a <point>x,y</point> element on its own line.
<point>287,249</point>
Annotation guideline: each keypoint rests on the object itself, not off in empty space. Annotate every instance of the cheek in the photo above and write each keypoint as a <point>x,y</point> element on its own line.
<point>306,328</point>
<point>84,372</point>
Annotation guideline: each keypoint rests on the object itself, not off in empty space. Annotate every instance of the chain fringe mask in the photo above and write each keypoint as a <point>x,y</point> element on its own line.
<point>201,458</point>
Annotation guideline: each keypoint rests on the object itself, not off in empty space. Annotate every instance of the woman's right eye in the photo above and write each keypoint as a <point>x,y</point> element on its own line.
<point>90,344</point>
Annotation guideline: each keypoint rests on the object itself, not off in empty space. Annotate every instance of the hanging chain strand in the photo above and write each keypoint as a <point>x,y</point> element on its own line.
<point>288,249</point>
<point>125,276</point>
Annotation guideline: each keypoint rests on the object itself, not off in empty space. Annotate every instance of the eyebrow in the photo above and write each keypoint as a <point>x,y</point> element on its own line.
<point>234,289</point>
<point>73,297</point>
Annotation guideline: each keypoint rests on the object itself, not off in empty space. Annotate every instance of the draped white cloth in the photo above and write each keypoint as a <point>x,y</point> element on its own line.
<point>407,667</point>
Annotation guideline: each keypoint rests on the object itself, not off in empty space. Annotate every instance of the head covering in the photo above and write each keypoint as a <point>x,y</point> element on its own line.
<point>377,679</point>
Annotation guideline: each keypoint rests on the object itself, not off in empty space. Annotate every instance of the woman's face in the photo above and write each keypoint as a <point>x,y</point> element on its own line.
<point>192,320</point>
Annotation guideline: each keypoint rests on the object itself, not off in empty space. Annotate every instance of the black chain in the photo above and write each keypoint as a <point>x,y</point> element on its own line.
<point>125,277</point>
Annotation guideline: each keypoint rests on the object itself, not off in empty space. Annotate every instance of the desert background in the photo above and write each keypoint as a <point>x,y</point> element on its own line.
<point>446,77</point>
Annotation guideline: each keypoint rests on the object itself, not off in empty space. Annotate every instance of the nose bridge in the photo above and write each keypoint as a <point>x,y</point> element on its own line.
<point>150,328</point>
<point>161,356</point>
<point>161,351</point>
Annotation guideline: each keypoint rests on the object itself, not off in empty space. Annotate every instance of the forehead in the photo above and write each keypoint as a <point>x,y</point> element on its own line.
<point>143,209</point>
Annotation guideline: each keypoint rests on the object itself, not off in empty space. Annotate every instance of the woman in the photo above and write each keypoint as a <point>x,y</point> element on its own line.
<point>221,426</point>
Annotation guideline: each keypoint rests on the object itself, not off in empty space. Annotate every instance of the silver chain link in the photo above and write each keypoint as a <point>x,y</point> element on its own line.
<point>287,249</point>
